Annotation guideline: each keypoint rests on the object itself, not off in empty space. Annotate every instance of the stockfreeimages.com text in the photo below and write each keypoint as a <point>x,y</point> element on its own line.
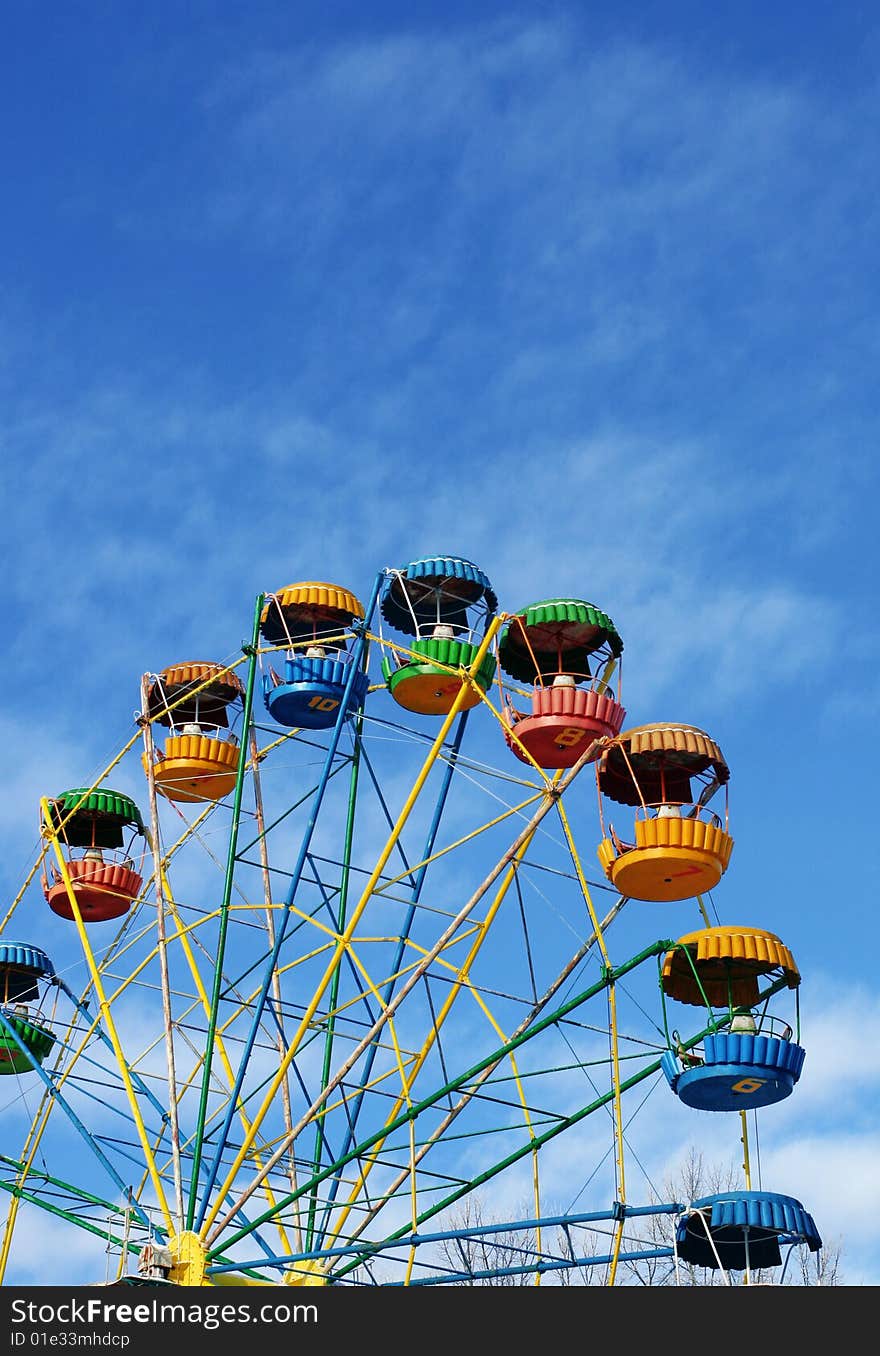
<point>209,1316</point>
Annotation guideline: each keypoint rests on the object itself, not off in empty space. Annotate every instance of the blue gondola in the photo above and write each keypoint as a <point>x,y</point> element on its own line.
<point>24,1041</point>
<point>737,1071</point>
<point>750,1060</point>
<point>313,620</point>
<point>734,1230</point>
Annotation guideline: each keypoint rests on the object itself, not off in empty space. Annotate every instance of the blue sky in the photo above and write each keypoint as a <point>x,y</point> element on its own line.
<point>584,293</point>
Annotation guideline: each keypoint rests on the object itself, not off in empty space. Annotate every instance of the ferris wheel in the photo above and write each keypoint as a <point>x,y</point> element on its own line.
<point>354,984</point>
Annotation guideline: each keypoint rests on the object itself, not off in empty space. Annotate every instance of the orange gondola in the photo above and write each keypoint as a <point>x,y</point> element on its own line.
<point>197,703</point>
<point>678,847</point>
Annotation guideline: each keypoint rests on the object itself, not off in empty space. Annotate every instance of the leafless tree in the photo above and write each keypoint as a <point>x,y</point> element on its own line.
<point>496,1253</point>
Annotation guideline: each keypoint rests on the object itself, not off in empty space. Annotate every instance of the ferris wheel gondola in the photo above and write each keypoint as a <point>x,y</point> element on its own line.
<point>569,652</point>
<point>313,621</point>
<point>748,1057</point>
<point>445,603</point>
<point>197,703</point>
<point>743,1230</point>
<point>103,866</point>
<point>678,847</point>
<point>25,1040</point>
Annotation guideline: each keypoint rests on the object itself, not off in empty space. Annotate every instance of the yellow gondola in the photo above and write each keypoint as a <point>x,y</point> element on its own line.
<point>677,848</point>
<point>200,757</point>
